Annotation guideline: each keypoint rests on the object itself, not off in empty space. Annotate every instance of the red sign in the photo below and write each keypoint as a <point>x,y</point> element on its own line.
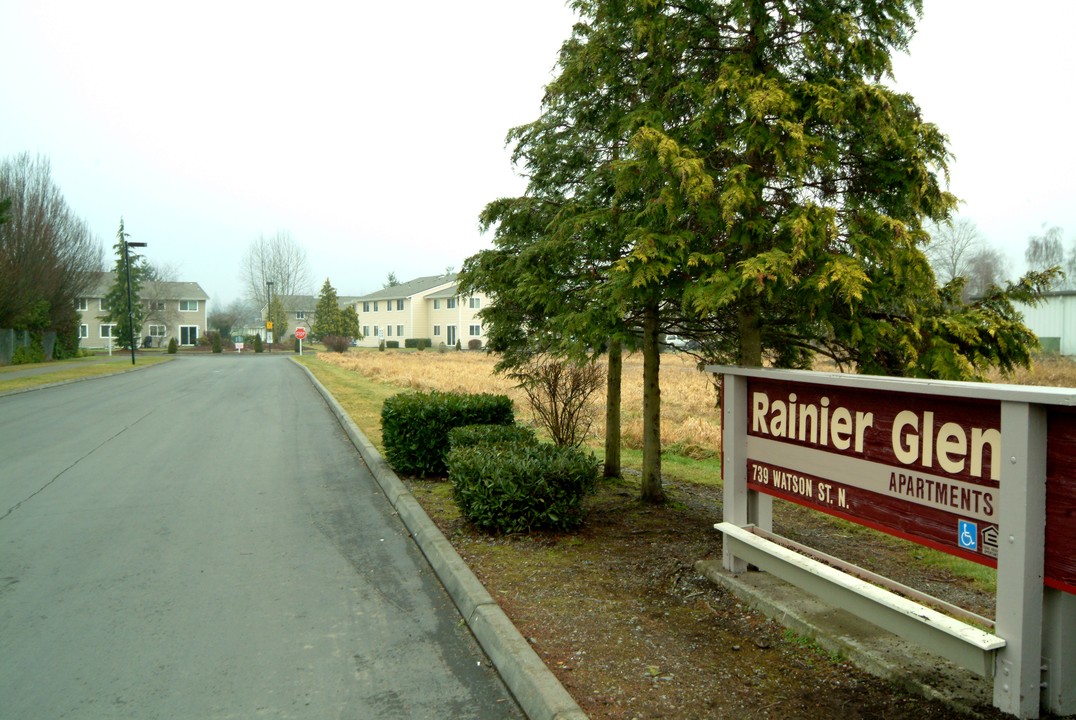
<point>300,332</point>
<point>921,467</point>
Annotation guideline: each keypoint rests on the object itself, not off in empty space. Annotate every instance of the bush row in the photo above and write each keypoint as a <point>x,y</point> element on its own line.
<point>415,426</point>
<point>503,480</point>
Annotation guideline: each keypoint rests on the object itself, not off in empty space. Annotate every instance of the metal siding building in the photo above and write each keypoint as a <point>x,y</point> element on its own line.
<point>1054,321</point>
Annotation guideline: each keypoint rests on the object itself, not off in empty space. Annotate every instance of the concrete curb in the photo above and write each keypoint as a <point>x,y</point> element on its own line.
<point>536,689</point>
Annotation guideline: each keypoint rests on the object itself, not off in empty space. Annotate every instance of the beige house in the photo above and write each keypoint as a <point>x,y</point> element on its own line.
<point>425,308</point>
<point>172,309</point>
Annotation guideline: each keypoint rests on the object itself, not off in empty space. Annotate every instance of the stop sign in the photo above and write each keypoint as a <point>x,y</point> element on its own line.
<point>300,332</point>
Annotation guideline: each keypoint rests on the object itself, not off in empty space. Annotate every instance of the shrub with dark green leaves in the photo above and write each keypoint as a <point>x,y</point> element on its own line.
<point>471,435</point>
<point>417,343</point>
<point>173,347</point>
<point>520,487</point>
<point>415,426</point>
<point>392,344</point>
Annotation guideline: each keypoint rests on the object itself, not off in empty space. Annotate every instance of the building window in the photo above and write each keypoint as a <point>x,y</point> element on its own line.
<point>377,331</point>
<point>158,331</point>
<point>476,330</point>
<point>154,305</point>
<point>450,303</point>
<point>82,304</point>
<point>107,330</point>
<point>188,334</point>
<point>300,315</point>
<point>102,304</point>
<point>188,306</point>
<point>366,331</point>
<point>399,304</point>
<point>366,306</point>
<point>476,303</point>
<point>84,331</point>
<point>436,330</point>
<point>388,331</point>
<point>399,331</point>
<point>375,305</point>
<point>388,306</point>
<point>436,304</point>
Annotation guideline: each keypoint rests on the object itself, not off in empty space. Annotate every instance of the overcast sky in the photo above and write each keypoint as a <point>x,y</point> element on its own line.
<point>373,133</point>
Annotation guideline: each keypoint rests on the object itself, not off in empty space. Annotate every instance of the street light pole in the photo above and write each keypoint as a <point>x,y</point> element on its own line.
<point>269,316</point>
<point>130,307</point>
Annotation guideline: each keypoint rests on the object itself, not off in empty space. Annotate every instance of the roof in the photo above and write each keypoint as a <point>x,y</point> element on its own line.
<point>449,292</point>
<point>103,281</point>
<point>409,288</point>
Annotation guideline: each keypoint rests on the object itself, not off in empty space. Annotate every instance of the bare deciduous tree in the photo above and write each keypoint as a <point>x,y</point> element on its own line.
<point>986,268</point>
<point>1045,251</point>
<point>951,248</point>
<point>46,252</point>
<point>280,260</point>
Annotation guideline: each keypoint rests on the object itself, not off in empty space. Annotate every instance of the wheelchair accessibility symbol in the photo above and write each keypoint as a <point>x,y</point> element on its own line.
<point>967,535</point>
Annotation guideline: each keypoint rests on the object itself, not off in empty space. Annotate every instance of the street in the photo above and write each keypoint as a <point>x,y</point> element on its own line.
<point>199,539</point>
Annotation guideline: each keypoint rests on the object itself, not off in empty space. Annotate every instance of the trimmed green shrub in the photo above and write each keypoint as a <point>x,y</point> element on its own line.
<point>381,346</point>
<point>474,344</point>
<point>392,344</point>
<point>417,343</point>
<point>259,344</point>
<point>471,435</point>
<point>173,346</point>
<point>522,487</point>
<point>415,426</point>
<point>216,343</point>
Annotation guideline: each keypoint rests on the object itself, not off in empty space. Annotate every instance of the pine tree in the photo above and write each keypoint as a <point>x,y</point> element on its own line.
<point>327,317</point>
<point>121,313</point>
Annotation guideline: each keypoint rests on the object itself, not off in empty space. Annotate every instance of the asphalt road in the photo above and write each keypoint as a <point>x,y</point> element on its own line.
<point>199,539</point>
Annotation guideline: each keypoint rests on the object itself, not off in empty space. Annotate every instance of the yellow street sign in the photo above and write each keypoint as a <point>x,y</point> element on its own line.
<point>269,325</point>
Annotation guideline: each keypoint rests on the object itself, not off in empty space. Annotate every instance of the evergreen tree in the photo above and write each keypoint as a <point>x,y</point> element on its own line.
<point>125,308</point>
<point>740,172</point>
<point>326,313</point>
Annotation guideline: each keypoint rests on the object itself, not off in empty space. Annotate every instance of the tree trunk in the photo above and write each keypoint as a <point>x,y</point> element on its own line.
<point>750,334</point>
<point>612,410</point>
<point>651,485</point>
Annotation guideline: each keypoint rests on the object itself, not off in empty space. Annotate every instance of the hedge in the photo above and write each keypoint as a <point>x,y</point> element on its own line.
<point>522,487</point>
<point>415,426</point>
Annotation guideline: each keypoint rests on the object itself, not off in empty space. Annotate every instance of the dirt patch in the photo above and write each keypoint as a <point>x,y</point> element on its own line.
<point>619,614</point>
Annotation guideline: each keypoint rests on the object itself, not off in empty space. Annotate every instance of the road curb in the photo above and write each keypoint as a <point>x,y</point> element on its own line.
<point>534,686</point>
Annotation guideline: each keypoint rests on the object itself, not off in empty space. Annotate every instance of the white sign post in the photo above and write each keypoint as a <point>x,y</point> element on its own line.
<point>300,333</point>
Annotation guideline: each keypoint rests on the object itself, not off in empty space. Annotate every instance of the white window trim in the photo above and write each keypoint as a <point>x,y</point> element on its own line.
<point>188,309</point>
<point>83,331</point>
<point>101,331</point>
<point>102,305</point>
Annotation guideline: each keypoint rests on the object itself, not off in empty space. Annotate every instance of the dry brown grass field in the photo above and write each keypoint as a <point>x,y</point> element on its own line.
<point>690,421</point>
<point>616,609</point>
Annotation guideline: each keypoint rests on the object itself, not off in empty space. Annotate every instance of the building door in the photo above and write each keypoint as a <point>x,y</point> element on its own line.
<point>451,330</point>
<point>188,334</point>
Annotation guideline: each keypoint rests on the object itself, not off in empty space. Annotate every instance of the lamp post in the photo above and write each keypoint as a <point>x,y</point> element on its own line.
<point>130,307</point>
<point>269,316</point>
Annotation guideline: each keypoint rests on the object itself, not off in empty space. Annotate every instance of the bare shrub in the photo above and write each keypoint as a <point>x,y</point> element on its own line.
<point>559,394</point>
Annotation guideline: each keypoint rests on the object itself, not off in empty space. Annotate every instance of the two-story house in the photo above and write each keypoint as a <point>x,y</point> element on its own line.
<point>170,309</point>
<point>424,308</point>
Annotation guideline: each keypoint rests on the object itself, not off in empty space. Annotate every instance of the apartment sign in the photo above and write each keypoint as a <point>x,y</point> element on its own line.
<point>926,468</point>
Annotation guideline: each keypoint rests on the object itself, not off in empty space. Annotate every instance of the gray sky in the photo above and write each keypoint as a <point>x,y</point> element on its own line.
<point>373,133</point>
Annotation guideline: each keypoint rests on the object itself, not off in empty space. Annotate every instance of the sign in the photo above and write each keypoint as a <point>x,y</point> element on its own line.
<point>268,324</point>
<point>300,333</point>
<point>926,468</point>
